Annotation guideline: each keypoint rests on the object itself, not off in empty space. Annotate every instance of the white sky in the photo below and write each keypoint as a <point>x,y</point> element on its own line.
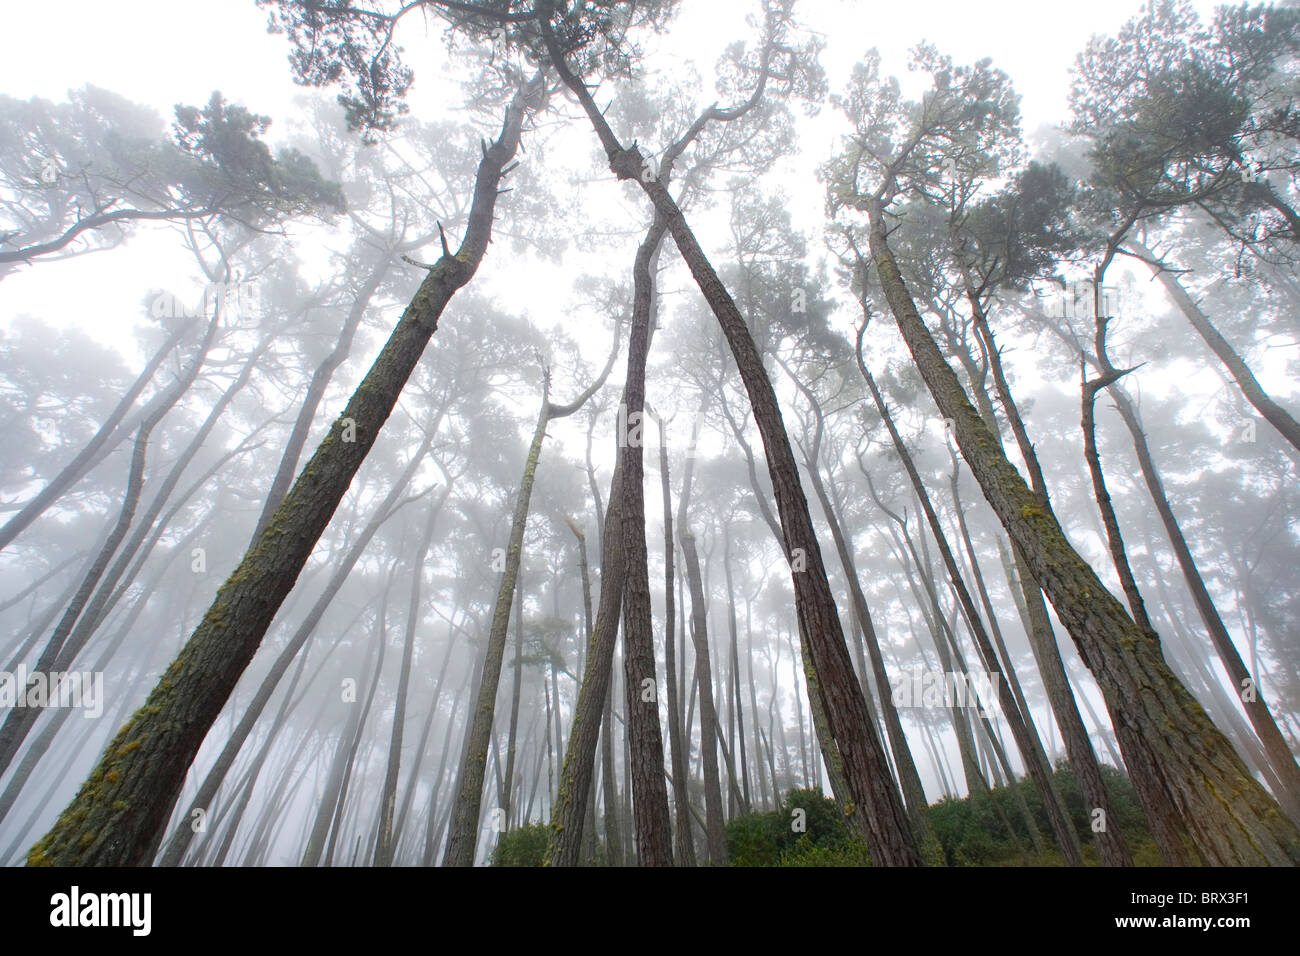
<point>161,52</point>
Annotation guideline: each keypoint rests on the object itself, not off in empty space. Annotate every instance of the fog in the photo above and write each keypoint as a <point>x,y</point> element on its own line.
<point>608,433</point>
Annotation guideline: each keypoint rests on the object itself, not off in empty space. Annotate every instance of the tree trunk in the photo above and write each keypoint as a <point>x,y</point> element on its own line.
<point>1031,748</point>
<point>1112,846</point>
<point>388,798</point>
<point>328,811</point>
<point>517,682</point>
<point>890,839</point>
<point>20,719</point>
<point>1274,414</point>
<point>684,844</point>
<point>463,835</point>
<point>1251,696</point>
<point>1175,753</point>
<point>564,846</point>
<point>73,471</point>
<point>180,840</point>
<point>650,796</point>
<point>119,815</point>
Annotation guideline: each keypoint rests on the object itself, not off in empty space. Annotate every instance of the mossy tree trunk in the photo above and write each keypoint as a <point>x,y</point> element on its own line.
<point>1174,751</point>
<point>1113,848</point>
<point>119,814</point>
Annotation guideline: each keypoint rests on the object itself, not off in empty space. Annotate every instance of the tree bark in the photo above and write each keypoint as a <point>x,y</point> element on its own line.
<point>890,839</point>
<point>650,796</point>
<point>119,815</point>
<point>1175,753</point>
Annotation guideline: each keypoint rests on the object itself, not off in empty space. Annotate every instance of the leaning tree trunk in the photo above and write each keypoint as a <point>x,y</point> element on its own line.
<point>1174,751</point>
<point>1252,700</point>
<point>649,794</point>
<point>1031,748</point>
<point>1273,413</point>
<point>72,472</point>
<point>821,726</point>
<point>1111,845</point>
<point>118,816</point>
<point>1114,539</point>
<point>181,837</point>
<point>908,776</point>
<point>889,835</point>
<point>927,600</point>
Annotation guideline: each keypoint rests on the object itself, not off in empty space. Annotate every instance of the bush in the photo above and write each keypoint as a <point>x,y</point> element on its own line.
<point>806,853</point>
<point>525,846</point>
<point>771,839</point>
<point>754,839</point>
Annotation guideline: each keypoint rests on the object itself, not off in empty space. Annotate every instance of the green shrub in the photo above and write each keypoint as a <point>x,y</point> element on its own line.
<point>807,853</point>
<point>970,832</point>
<point>763,839</point>
<point>754,839</point>
<point>525,846</point>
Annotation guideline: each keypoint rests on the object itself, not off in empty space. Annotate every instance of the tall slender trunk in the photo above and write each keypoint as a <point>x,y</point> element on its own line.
<point>74,470</point>
<point>328,811</point>
<point>463,835</point>
<point>1113,848</point>
<point>704,680</point>
<point>1114,538</point>
<point>927,599</point>
<point>517,682</point>
<point>119,815</point>
<point>384,845</point>
<point>1027,741</point>
<point>1251,696</point>
<point>908,776</point>
<point>1273,413</point>
<point>890,839</point>
<point>564,845</point>
<point>1174,751</point>
<point>650,796</point>
<point>737,709</point>
<point>683,843</point>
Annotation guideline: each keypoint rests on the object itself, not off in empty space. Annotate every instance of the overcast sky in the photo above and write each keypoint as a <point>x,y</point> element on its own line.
<point>161,52</point>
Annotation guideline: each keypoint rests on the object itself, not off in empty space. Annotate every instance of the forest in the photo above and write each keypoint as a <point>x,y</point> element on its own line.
<point>645,433</point>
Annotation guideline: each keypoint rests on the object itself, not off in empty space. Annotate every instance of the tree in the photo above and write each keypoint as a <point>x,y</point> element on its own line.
<point>1166,759</point>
